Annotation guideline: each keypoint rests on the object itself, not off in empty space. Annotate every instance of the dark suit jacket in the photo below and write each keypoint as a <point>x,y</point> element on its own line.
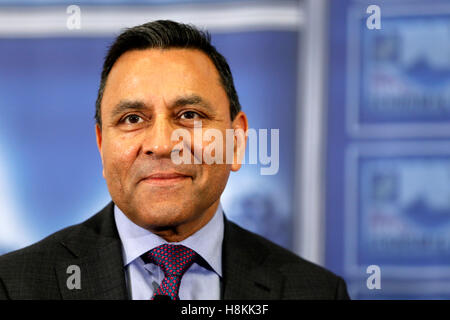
<point>253,267</point>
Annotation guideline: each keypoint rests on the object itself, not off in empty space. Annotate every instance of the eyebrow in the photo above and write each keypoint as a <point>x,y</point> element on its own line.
<point>181,101</point>
<point>193,99</point>
<point>126,105</point>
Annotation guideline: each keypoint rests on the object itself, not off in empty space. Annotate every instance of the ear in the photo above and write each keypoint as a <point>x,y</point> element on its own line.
<point>240,127</point>
<point>98,134</point>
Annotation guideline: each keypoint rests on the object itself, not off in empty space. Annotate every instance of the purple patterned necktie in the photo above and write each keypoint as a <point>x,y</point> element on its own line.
<point>174,260</point>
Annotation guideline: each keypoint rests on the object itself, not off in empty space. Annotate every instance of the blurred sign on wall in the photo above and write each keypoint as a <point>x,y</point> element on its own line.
<point>388,162</point>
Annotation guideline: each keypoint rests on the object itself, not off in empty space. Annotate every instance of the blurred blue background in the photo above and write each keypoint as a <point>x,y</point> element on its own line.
<point>372,106</point>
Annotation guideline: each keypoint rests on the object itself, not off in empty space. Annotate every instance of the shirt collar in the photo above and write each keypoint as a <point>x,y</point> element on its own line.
<point>207,241</point>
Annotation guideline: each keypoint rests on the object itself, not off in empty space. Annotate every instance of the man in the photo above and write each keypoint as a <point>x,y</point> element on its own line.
<point>164,234</point>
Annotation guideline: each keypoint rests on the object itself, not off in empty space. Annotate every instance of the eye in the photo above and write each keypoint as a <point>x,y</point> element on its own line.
<point>132,119</point>
<point>189,115</point>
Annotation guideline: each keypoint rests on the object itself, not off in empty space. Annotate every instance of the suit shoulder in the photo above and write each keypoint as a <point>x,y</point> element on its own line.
<point>39,251</point>
<point>301,272</point>
<point>272,250</point>
<point>31,272</point>
<point>53,244</point>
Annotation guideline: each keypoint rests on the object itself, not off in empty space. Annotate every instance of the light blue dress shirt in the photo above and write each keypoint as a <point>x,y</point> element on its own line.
<point>198,283</point>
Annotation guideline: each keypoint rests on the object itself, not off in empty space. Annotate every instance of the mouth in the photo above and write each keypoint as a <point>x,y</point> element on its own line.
<point>165,178</point>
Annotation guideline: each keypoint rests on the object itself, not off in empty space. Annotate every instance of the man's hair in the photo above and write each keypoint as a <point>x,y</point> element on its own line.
<point>166,34</point>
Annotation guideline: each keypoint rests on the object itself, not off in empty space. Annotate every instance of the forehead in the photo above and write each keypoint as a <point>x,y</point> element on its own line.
<point>153,74</point>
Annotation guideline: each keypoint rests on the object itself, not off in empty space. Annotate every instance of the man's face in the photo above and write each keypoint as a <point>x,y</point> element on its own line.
<point>149,94</point>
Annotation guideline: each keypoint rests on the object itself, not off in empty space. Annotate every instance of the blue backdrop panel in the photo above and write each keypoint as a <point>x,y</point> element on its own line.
<point>52,169</point>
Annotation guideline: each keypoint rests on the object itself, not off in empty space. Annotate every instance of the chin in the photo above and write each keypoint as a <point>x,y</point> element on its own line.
<point>164,215</point>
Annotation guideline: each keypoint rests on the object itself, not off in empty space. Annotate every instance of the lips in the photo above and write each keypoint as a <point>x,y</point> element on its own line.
<point>166,175</point>
<point>165,178</point>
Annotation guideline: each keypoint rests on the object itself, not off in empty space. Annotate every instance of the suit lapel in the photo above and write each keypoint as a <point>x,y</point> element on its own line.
<point>245,274</point>
<point>96,249</point>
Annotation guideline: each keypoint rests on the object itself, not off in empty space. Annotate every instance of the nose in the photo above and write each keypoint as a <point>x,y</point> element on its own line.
<point>157,141</point>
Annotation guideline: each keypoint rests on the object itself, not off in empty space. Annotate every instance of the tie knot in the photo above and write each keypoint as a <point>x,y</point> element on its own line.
<point>174,260</point>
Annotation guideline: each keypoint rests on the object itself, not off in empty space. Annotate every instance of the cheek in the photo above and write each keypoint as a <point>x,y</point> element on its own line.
<point>214,169</point>
<point>118,155</point>
<point>211,144</point>
<point>213,179</point>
